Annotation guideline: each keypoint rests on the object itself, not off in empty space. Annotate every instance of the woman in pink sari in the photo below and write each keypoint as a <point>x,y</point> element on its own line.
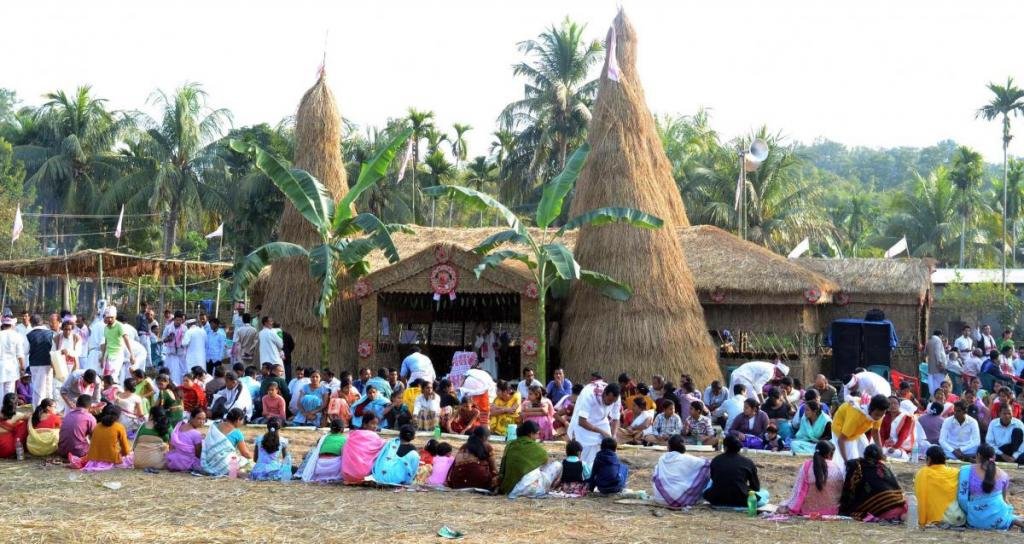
<point>819,484</point>
<point>361,451</point>
<point>539,410</point>
<point>187,443</point>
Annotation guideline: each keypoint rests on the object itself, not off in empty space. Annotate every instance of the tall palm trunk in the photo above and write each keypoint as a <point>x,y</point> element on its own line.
<point>170,238</point>
<point>1006,143</point>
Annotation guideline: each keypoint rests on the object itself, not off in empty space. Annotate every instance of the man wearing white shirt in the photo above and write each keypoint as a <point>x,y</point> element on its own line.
<point>935,356</point>
<point>755,374</point>
<point>23,325</point>
<point>866,383</point>
<point>417,366</point>
<point>1006,435</point>
<point>195,346</point>
<point>271,343</point>
<point>92,357</point>
<point>174,347</point>
<point>960,435</point>
<point>732,407</point>
<point>985,340</point>
<point>527,382</point>
<point>595,417</point>
<point>12,355</point>
<point>973,362</point>
<point>964,343</point>
<point>216,339</point>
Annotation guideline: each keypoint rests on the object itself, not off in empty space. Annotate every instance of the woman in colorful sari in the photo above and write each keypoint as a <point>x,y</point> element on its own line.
<point>398,461</point>
<point>897,430</point>
<point>43,429</point>
<point>982,493</point>
<point>871,492</point>
<point>151,440</point>
<point>187,443</point>
<point>272,460</point>
<point>109,447</point>
<point>167,399</point>
<point>223,442</point>
<point>361,451</point>
<point>504,409</point>
<point>819,485</point>
<point>935,488</point>
<point>370,403</point>
<point>474,465</point>
<point>465,418</point>
<point>679,479</point>
<point>13,427</point>
<point>313,401</point>
<point>521,456</point>
<point>539,410</point>
<point>814,426</point>
<point>323,462</point>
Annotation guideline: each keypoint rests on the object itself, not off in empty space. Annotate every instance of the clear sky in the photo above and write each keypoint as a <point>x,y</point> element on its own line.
<point>864,72</point>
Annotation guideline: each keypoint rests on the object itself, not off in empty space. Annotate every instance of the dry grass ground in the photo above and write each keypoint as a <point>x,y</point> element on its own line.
<point>49,503</point>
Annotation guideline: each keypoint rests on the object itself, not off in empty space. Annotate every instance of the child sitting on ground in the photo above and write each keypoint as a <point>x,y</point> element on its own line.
<point>465,417</point>
<point>441,464</point>
<point>772,441</point>
<point>608,474</point>
<point>575,472</point>
<point>273,403</point>
<point>110,389</point>
<point>397,413</point>
<point>633,433</point>
<point>666,424</point>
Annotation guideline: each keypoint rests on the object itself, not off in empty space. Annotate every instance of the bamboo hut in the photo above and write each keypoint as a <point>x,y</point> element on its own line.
<point>902,288</point>
<point>661,329</point>
<point>291,293</point>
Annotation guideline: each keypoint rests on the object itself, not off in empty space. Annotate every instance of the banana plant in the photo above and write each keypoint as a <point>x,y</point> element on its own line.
<point>549,260</point>
<point>346,237</point>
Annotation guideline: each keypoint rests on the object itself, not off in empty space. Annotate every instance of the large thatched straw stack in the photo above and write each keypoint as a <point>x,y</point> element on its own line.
<point>661,329</point>
<point>291,292</point>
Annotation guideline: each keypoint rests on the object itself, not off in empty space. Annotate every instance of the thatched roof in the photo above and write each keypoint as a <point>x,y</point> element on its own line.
<point>290,292</point>
<point>661,329</point>
<point>86,264</point>
<point>882,281</point>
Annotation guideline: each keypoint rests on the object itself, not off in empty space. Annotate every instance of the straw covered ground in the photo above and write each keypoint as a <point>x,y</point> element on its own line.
<point>50,503</point>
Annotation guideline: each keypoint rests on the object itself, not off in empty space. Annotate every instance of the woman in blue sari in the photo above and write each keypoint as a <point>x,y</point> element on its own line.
<point>982,492</point>
<point>814,425</point>
<point>371,401</point>
<point>398,462</point>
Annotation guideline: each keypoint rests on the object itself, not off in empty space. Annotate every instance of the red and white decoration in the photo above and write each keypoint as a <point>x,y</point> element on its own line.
<point>442,254</point>
<point>717,296</point>
<point>531,291</point>
<point>842,298</point>
<point>530,346</point>
<point>365,349</point>
<point>444,279</point>
<point>362,288</point>
<point>812,295</point>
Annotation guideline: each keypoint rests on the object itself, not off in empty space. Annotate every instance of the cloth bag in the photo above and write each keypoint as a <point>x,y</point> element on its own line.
<point>59,365</point>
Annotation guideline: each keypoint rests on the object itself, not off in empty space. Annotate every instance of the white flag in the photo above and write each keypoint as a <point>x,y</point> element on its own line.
<point>897,248</point>
<point>217,233</point>
<point>800,249</point>
<point>613,62</point>
<point>120,218</point>
<point>18,225</point>
<point>405,161</point>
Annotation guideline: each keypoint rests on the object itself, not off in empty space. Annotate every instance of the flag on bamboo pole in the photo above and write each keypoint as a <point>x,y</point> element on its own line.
<point>897,248</point>
<point>800,249</point>
<point>19,225</point>
<point>120,219</point>
<point>217,233</point>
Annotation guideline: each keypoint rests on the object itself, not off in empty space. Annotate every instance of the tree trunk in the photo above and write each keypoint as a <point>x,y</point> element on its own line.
<point>170,238</point>
<point>542,334</point>
<point>415,156</point>
<point>963,237</point>
<point>1002,244</point>
<point>325,324</point>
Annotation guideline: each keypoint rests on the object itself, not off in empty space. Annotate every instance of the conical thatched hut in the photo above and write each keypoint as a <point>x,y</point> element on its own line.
<point>291,293</point>
<point>661,329</point>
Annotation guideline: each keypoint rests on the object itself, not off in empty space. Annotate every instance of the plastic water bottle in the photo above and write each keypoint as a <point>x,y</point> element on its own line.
<point>915,454</point>
<point>911,512</point>
<point>437,432</point>
<point>751,504</point>
<point>19,450</point>
<point>233,467</point>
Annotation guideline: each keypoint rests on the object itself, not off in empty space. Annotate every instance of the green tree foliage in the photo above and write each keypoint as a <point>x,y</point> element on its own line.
<point>14,192</point>
<point>976,300</point>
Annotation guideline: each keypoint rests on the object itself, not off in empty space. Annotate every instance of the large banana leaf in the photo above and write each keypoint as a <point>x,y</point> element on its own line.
<point>562,259</point>
<point>499,238</point>
<point>370,173</point>
<point>555,190</point>
<point>323,261</point>
<point>607,286</point>
<point>496,258</point>
<point>246,271</point>
<point>474,201</point>
<point>380,234</point>
<point>606,216</point>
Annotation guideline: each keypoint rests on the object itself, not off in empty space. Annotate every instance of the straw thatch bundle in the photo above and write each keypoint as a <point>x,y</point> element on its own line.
<point>290,291</point>
<point>661,329</point>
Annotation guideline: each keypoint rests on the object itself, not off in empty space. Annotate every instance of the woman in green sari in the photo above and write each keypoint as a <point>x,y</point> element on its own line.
<point>521,456</point>
<point>167,398</point>
<point>814,426</point>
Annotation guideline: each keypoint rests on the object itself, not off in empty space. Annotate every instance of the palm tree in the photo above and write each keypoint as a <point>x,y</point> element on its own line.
<point>420,122</point>
<point>439,171</point>
<point>926,214</point>
<point>558,93</point>
<point>966,172</point>
<point>459,142</point>
<point>481,172</point>
<point>1007,101</point>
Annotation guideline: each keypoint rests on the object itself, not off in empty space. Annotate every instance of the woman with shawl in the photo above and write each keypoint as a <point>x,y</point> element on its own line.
<point>819,485</point>
<point>982,493</point>
<point>814,425</point>
<point>361,451</point>
<point>898,429</point>
<point>871,492</point>
<point>935,488</point>
<point>323,461</point>
<point>223,442</point>
<point>187,443</point>
<point>679,479</point>
<point>522,455</point>
<point>398,461</point>
<point>370,403</point>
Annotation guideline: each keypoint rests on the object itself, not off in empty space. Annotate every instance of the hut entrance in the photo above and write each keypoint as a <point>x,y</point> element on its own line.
<point>445,326</point>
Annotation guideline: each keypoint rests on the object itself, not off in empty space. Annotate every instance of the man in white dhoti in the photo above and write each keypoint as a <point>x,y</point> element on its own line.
<point>12,355</point>
<point>194,342</point>
<point>68,344</point>
<point>40,343</point>
<point>174,349</point>
<point>92,354</point>
<point>595,417</point>
<point>755,374</point>
<point>116,345</point>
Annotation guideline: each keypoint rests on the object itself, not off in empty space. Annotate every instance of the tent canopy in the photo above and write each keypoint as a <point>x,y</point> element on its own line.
<point>90,263</point>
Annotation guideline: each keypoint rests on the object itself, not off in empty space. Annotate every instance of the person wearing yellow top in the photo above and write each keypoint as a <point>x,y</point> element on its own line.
<point>505,408</point>
<point>410,393</point>
<point>853,426</point>
<point>935,487</point>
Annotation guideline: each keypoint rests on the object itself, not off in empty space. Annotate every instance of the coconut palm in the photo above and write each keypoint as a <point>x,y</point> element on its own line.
<point>927,215</point>
<point>438,171</point>
<point>458,143</point>
<point>546,256</point>
<point>1007,101</point>
<point>340,251</point>
<point>966,172</point>
<point>480,172</point>
<point>421,122</point>
<point>555,108</point>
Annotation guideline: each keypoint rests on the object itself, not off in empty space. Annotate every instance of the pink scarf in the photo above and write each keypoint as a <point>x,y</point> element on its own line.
<point>357,457</point>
